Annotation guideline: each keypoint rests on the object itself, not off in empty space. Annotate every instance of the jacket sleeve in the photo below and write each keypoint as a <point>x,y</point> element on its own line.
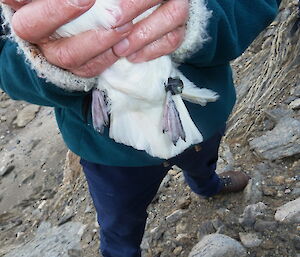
<point>233,25</point>
<point>20,82</point>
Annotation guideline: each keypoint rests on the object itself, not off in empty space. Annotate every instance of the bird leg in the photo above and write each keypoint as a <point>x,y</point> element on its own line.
<point>171,118</point>
<point>174,85</point>
<point>100,110</point>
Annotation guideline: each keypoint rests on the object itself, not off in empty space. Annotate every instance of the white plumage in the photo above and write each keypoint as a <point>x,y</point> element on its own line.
<point>142,113</point>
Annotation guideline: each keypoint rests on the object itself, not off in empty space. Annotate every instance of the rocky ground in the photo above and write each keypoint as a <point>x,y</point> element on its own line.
<point>45,208</point>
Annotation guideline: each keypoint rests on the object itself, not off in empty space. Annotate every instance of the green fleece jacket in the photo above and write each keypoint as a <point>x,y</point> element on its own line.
<point>233,25</point>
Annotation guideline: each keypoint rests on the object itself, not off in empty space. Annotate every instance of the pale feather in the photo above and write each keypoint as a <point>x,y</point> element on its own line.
<point>137,94</point>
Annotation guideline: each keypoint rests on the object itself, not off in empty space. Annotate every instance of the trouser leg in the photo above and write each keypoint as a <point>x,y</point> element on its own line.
<point>121,196</point>
<point>199,166</point>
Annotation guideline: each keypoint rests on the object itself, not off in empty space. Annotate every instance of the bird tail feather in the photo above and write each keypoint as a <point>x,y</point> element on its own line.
<point>196,95</point>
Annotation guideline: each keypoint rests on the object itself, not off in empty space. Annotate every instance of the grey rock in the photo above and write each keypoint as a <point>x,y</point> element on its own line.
<point>157,232</point>
<point>6,170</point>
<point>296,91</point>
<point>268,244</point>
<point>242,89</point>
<point>206,228</point>
<point>51,241</point>
<point>68,214</point>
<point>268,124</point>
<point>28,178</point>
<point>88,209</point>
<point>177,250</point>
<point>75,253</point>
<point>5,104</point>
<point>217,223</point>
<point>145,245</point>
<point>217,245</point>
<point>223,212</point>
<point>250,240</point>
<point>181,227</point>
<point>269,191</point>
<point>253,191</point>
<point>226,160</point>
<point>65,219</point>
<point>296,191</point>
<point>289,100</point>
<point>279,180</point>
<point>175,216</point>
<point>184,202</point>
<point>3,95</point>
<point>269,32</point>
<point>289,212</point>
<point>295,105</point>
<point>283,15</point>
<point>183,239</point>
<point>296,241</point>
<point>278,113</point>
<point>250,214</point>
<point>263,225</point>
<point>283,141</point>
<point>164,184</point>
<point>26,115</point>
<point>3,118</point>
<point>37,213</point>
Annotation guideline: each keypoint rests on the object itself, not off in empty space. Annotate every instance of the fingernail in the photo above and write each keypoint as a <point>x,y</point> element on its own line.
<point>80,3</point>
<point>131,57</point>
<point>121,47</point>
<point>125,28</point>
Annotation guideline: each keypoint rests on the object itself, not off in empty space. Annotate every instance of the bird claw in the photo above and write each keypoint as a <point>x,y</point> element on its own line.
<point>100,110</point>
<point>171,121</point>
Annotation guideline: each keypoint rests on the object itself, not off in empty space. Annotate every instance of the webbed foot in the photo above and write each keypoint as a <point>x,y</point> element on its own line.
<point>100,110</point>
<point>171,120</point>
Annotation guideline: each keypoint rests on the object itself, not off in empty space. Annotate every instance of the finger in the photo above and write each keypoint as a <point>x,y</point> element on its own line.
<point>41,18</point>
<point>132,8</point>
<point>97,65</point>
<point>15,4</point>
<point>163,46</point>
<point>73,52</point>
<point>165,19</point>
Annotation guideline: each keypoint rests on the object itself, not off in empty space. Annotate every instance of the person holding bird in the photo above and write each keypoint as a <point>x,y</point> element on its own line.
<point>153,77</point>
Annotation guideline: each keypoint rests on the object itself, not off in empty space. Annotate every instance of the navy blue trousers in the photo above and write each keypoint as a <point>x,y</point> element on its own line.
<point>121,195</point>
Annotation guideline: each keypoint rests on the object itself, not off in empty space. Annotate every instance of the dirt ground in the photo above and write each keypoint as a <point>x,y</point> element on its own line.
<point>31,191</point>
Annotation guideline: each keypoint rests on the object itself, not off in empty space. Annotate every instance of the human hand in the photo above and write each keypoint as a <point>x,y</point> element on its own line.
<point>86,54</point>
<point>89,53</point>
<point>159,34</point>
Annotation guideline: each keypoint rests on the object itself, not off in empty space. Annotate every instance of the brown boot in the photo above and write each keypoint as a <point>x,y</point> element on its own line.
<point>234,181</point>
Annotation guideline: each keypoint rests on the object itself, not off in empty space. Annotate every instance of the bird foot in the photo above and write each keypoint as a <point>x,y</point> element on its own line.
<point>174,85</point>
<point>100,110</point>
<point>171,120</point>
